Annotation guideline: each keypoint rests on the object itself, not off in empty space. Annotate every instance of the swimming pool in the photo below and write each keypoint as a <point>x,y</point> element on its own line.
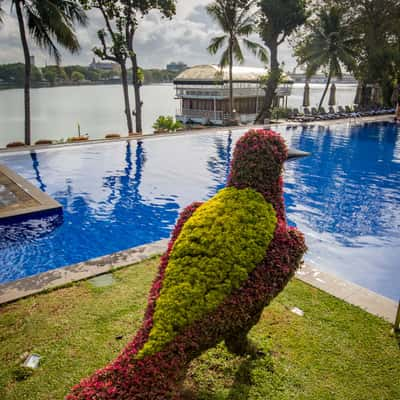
<point>118,195</point>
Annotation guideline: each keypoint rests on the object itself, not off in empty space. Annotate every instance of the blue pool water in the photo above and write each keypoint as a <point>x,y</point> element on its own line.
<point>345,198</point>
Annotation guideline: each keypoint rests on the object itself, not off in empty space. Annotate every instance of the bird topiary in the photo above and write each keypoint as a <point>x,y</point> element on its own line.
<point>227,259</point>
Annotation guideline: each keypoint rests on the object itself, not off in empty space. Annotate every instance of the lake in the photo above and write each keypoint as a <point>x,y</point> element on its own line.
<point>57,111</point>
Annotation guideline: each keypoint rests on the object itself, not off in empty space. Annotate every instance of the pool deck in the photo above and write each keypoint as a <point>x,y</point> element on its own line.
<point>20,199</point>
<point>347,291</point>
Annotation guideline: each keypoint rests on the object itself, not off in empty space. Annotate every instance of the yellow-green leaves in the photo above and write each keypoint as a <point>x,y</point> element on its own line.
<point>224,240</point>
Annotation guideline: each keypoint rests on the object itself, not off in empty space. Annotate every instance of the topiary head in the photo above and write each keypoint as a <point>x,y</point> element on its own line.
<point>258,164</point>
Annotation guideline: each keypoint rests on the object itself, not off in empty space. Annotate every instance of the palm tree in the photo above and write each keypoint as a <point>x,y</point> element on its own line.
<point>1,12</point>
<point>237,22</point>
<point>48,21</point>
<point>329,45</point>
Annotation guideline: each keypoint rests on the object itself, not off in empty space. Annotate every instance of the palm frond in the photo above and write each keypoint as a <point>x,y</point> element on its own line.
<point>39,33</point>
<point>329,44</point>
<point>216,44</point>
<point>1,12</point>
<point>51,22</point>
<point>225,59</point>
<point>258,50</point>
<point>237,21</point>
<point>237,51</point>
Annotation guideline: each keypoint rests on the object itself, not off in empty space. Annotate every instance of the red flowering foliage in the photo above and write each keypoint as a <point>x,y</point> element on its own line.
<point>159,376</point>
<point>258,163</point>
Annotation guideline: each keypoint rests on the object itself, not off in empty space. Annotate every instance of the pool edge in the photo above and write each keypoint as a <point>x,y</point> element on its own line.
<point>194,132</point>
<point>349,292</point>
<point>16,290</point>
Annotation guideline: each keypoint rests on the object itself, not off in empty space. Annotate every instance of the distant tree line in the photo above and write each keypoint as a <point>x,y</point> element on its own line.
<point>14,74</point>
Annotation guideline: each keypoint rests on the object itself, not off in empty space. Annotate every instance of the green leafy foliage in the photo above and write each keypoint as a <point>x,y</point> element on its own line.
<point>280,113</point>
<point>77,76</point>
<point>15,73</point>
<point>52,22</point>
<point>167,124</point>
<point>329,44</point>
<point>224,240</point>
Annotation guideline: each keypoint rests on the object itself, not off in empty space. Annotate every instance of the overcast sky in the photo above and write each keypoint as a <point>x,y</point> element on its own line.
<point>158,41</point>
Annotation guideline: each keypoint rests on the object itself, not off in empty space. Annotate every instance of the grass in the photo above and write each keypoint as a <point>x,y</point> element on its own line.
<point>336,351</point>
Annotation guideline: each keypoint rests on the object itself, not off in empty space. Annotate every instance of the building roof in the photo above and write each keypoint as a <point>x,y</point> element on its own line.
<point>212,73</point>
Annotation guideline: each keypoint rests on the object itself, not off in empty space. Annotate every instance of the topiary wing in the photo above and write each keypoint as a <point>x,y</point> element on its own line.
<point>223,241</point>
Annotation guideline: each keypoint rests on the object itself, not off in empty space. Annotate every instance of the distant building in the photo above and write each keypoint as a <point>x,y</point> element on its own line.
<point>32,61</point>
<point>203,91</point>
<point>103,66</point>
<point>176,67</point>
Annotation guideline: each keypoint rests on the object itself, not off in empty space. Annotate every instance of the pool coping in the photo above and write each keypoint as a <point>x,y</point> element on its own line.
<point>46,204</point>
<point>15,290</point>
<point>351,293</point>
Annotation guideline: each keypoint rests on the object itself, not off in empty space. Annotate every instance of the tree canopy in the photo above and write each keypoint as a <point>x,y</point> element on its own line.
<point>375,25</point>
<point>328,45</point>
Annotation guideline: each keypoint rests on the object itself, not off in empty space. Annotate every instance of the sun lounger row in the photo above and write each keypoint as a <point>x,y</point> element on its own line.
<point>341,112</point>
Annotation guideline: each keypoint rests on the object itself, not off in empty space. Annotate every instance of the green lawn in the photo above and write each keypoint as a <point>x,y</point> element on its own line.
<point>335,351</point>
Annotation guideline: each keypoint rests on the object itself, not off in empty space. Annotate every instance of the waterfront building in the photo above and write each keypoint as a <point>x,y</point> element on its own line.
<point>203,91</point>
<point>104,66</point>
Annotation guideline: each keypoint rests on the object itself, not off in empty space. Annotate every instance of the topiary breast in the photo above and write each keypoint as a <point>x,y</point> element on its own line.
<point>224,240</point>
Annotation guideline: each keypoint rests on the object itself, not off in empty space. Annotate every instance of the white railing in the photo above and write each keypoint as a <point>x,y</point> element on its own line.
<point>206,114</point>
<point>223,92</point>
<point>217,93</point>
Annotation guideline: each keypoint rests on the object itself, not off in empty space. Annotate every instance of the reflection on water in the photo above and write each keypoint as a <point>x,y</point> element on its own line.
<point>345,198</point>
<point>219,164</point>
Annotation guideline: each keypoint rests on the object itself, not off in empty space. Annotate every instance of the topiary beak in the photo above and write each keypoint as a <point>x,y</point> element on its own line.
<point>294,153</point>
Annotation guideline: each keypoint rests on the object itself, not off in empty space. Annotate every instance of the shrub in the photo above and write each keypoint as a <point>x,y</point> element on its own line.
<point>77,76</point>
<point>167,124</point>
<point>43,142</point>
<point>75,139</point>
<point>113,136</point>
<point>15,144</point>
<point>280,113</point>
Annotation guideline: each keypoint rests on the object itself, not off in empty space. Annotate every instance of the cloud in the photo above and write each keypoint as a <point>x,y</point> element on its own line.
<point>158,41</point>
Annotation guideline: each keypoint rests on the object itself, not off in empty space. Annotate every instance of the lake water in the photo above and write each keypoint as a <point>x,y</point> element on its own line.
<point>57,111</point>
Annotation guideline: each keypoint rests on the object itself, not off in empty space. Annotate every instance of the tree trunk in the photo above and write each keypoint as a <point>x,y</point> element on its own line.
<point>365,95</point>
<point>231,79</point>
<point>272,84</point>
<point>325,91</point>
<point>388,87</point>
<point>124,78</point>
<point>27,86</point>
<point>136,86</point>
